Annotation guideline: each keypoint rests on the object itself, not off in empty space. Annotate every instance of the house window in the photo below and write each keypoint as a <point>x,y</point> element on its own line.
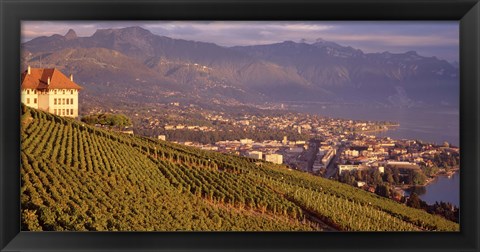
<point>71,101</point>
<point>63,91</point>
<point>28,91</point>
<point>63,101</point>
<point>55,92</point>
<point>68,101</point>
<point>63,111</point>
<point>71,91</point>
<point>28,100</point>
<point>35,91</point>
<point>55,101</point>
<point>55,111</point>
<point>35,100</point>
<point>71,111</point>
<point>67,111</point>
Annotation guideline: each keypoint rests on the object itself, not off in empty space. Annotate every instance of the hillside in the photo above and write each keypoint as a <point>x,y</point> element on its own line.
<point>77,177</point>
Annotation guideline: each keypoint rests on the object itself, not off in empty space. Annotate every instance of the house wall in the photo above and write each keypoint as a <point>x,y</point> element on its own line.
<point>43,101</point>
<point>274,158</point>
<point>29,96</point>
<point>60,102</point>
<point>53,101</point>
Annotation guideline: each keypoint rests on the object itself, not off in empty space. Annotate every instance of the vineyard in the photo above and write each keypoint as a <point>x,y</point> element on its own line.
<point>77,177</point>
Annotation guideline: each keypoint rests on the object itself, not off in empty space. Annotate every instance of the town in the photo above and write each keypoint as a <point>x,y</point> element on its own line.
<point>340,149</point>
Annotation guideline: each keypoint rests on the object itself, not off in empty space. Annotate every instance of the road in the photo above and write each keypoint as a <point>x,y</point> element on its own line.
<point>312,153</point>
<point>331,169</point>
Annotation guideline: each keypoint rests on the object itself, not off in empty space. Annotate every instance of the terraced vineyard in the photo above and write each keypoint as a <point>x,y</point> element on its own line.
<point>77,177</point>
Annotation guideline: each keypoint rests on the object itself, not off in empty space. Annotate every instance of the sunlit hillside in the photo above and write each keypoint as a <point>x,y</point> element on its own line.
<point>78,177</point>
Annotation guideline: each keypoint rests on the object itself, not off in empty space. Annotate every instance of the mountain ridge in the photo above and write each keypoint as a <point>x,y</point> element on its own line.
<point>287,70</point>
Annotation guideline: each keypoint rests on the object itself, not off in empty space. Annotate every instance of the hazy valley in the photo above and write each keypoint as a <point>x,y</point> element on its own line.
<point>132,64</point>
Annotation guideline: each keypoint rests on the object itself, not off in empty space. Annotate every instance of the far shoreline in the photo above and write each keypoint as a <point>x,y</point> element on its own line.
<point>433,178</point>
<point>409,188</point>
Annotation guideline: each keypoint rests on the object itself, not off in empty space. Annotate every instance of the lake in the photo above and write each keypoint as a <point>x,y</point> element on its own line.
<point>442,189</point>
<point>425,124</point>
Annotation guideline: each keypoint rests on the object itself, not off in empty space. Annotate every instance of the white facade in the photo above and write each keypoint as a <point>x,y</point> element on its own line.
<point>255,154</point>
<point>360,183</point>
<point>381,169</point>
<point>328,157</point>
<point>246,141</point>
<point>29,97</point>
<point>62,102</point>
<point>352,153</point>
<point>274,158</point>
<point>342,168</point>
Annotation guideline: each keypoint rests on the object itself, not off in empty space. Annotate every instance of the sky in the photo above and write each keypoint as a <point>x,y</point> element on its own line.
<point>428,38</point>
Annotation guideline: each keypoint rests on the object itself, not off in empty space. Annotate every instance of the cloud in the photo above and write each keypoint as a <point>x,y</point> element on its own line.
<point>398,40</point>
<point>229,33</point>
<point>33,29</point>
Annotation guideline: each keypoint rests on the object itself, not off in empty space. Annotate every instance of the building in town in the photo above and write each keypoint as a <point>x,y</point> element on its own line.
<point>255,154</point>
<point>274,158</point>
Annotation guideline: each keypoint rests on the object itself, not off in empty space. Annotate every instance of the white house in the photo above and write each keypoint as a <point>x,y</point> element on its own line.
<point>50,90</point>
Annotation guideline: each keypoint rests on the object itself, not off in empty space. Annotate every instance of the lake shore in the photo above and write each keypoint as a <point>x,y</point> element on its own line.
<point>443,187</point>
<point>432,179</point>
<point>387,128</point>
<point>448,173</point>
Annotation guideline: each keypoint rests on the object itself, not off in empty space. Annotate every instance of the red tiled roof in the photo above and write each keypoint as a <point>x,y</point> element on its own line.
<point>38,79</point>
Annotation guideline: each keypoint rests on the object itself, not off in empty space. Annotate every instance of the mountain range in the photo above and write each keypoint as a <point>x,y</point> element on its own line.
<point>134,65</point>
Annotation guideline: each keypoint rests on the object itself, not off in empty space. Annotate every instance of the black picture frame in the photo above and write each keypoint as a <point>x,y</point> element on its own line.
<point>12,12</point>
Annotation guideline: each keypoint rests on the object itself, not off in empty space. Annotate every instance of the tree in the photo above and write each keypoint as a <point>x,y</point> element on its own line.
<point>430,170</point>
<point>383,191</point>
<point>418,178</point>
<point>106,119</point>
<point>396,175</point>
<point>414,201</point>
<point>388,177</point>
<point>347,178</point>
<point>377,177</point>
<point>359,175</point>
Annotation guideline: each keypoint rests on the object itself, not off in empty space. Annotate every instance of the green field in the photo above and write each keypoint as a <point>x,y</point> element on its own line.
<point>77,177</point>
